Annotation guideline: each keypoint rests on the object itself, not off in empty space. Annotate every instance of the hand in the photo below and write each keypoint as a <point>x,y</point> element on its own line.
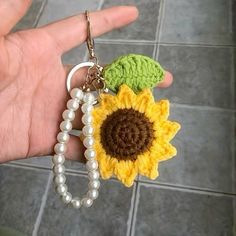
<point>32,77</point>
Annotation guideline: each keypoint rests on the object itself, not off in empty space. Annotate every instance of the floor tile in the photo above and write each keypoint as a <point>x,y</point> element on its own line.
<point>59,9</point>
<point>145,26</point>
<point>108,216</point>
<point>202,75</point>
<point>205,150</point>
<point>31,17</point>
<point>74,56</point>
<point>107,53</point>
<point>202,21</point>
<point>75,166</point>
<point>46,162</point>
<point>43,161</point>
<point>165,212</point>
<point>20,198</point>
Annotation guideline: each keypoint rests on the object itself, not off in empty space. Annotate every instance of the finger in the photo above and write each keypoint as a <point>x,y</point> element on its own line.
<point>11,11</point>
<point>72,31</point>
<point>168,79</point>
<point>75,150</point>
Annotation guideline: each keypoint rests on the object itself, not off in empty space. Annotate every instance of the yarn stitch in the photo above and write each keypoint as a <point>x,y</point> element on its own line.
<point>126,133</point>
<point>137,71</point>
<point>155,139</point>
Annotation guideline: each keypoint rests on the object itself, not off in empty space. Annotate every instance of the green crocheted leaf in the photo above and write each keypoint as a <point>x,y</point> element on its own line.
<point>137,71</point>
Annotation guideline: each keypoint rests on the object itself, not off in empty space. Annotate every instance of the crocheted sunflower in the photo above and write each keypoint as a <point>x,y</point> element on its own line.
<point>132,134</point>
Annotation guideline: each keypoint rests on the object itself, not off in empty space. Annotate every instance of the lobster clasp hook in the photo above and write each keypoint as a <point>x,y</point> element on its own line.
<point>89,40</point>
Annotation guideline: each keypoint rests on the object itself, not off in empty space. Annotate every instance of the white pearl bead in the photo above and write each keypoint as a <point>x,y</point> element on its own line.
<point>62,189</point>
<point>67,197</point>
<point>87,130</point>
<point>59,179</point>
<point>94,184</point>
<point>58,159</point>
<point>66,125</point>
<point>63,137</point>
<point>68,115</point>
<point>86,107</point>
<point>60,148</point>
<point>87,202</point>
<point>87,119</point>
<point>88,142</point>
<point>89,98</point>
<point>93,194</point>
<point>91,165</point>
<point>76,203</point>
<point>59,169</point>
<point>72,104</point>
<point>93,175</point>
<point>76,93</point>
<point>89,154</point>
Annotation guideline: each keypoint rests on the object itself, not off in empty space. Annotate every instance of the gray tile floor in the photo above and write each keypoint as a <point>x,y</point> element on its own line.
<point>196,191</point>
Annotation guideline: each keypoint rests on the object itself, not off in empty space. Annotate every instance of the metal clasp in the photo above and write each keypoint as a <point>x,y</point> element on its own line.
<point>90,40</point>
<point>93,79</point>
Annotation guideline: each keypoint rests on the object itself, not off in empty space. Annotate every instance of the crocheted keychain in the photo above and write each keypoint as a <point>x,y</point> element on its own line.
<point>125,133</point>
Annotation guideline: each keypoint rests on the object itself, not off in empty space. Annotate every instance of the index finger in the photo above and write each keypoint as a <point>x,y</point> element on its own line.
<point>72,31</point>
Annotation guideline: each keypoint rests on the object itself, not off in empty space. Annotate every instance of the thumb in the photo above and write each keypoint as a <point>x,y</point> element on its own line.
<point>11,11</point>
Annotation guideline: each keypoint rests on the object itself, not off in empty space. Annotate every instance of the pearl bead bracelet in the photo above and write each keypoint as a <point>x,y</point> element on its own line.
<point>86,99</point>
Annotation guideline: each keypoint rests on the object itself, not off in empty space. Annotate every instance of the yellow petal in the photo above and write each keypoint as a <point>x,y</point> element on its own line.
<point>126,171</point>
<point>126,97</point>
<point>166,130</point>
<point>144,163</point>
<point>153,174</point>
<point>108,103</point>
<point>147,166</point>
<point>158,111</point>
<point>144,100</point>
<point>106,165</point>
<point>162,151</point>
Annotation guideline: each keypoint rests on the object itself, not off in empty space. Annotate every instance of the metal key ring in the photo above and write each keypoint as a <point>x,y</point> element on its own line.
<point>74,69</point>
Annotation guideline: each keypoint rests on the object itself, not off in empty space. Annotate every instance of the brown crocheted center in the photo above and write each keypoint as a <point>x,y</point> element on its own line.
<point>126,133</point>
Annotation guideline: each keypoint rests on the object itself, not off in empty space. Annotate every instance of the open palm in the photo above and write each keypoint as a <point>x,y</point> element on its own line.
<point>32,77</point>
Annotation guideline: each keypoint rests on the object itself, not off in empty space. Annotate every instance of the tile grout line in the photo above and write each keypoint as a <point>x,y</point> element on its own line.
<point>159,31</point>
<point>105,41</point>
<point>186,189</point>
<point>233,142</point>
<point>230,16</point>
<point>42,168</point>
<point>100,5</point>
<point>38,167</point>
<point>197,45</point>
<point>201,107</point>
<point>85,55</point>
<point>27,166</point>
<point>133,225</point>
<point>158,27</point>
<point>124,41</point>
<point>165,185</point>
<point>232,79</point>
<point>131,211</point>
<point>40,13</point>
<point>42,207</point>
<point>133,41</point>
